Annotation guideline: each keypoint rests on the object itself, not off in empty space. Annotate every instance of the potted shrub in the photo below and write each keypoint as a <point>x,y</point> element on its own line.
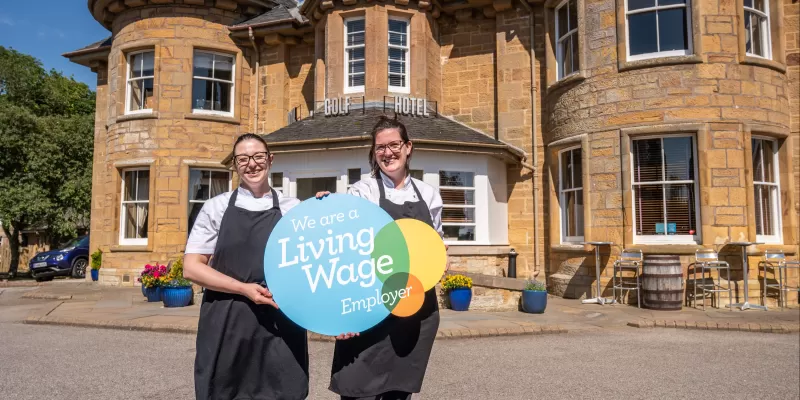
<point>151,278</point>
<point>459,291</point>
<point>177,292</point>
<point>534,297</point>
<point>97,260</point>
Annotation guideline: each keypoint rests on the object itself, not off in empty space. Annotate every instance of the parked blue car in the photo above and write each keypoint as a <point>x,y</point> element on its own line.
<point>71,260</point>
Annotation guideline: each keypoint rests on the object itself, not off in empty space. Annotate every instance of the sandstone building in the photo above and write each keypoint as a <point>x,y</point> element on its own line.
<point>662,125</point>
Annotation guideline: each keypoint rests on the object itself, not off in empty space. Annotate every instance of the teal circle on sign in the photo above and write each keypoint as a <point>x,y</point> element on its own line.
<point>325,268</point>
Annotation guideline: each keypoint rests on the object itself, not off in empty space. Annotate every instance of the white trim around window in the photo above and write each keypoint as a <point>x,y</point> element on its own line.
<point>138,198</point>
<point>140,75</point>
<point>571,192</point>
<point>766,190</point>
<point>355,62</point>
<point>459,211</point>
<point>758,40</point>
<point>204,185</point>
<point>659,12</point>
<point>567,43</point>
<point>212,102</point>
<point>651,180</point>
<point>399,42</point>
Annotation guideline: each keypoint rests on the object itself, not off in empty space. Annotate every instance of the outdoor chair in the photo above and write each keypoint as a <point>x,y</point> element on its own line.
<point>776,260</point>
<point>629,260</point>
<point>707,260</point>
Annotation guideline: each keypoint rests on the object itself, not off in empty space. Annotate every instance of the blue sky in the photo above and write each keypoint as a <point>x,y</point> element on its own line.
<point>46,29</point>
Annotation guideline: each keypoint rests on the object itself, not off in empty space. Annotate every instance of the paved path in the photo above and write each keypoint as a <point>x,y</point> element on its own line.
<point>88,304</point>
<point>54,362</point>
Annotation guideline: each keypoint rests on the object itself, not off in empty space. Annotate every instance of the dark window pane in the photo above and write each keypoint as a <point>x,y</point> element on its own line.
<point>397,54</point>
<point>759,5</point>
<point>194,210</point>
<point>748,38</point>
<point>647,164</point>
<point>573,213</point>
<point>356,80</point>
<point>639,4</point>
<point>748,3</point>
<point>765,198</point>
<point>219,183</point>
<point>356,25</point>
<point>417,174</point>
<point>649,203</point>
<point>672,29</point>
<point>671,2</point>
<point>201,94</point>
<point>397,67</point>
<point>136,65</point>
<point>758,34</point>
<point>356,67</point>
<point>680,209</point>
<point>397,80</point>
<point>566,54</point>
<point>355,39</point>
<point>573,15</point>
<point>563,23</point>
<point>456,179</point>
<point>577,169</point>
<point>222,94</point>
<point>147,70</point>
<point>575,48</point>
<point>277,179</point>
<point>143,185</point>
<point>130,186</point>
<point>460,233</point>
<point>642,33</point>
<point>566,170</point>
<point>223,68</point>
<point>458,215</point>
<point>198,185</point>
<point>353,175</point>
<point>397,39</point>
<point>678,159</point>
<point>356,54</point>
<point>397,26</point>
<point>203,64</point>
<point>457,197</point>
<point>758,160</point>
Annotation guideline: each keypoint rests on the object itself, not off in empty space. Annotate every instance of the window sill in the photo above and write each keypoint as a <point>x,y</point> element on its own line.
<point>673,249</point>
<point>137,116</point>
<point>567,81</point>
<point>213,118</point>
<point>121,248</point>
<point>473,250</point>
<point>763,62</point>
<point>659,62</point>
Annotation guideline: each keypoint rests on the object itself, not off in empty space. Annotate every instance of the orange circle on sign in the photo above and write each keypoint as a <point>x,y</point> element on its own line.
<point>413,297</point>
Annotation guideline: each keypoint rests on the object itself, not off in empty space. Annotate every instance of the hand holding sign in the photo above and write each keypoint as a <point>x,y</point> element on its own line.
<point>343,265</point>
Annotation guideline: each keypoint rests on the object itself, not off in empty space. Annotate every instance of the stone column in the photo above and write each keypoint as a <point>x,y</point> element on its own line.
<point>276,98</point>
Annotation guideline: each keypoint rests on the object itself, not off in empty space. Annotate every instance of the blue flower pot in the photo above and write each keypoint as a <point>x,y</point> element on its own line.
<point>460,298</point>
<point>95,275</point>
<point>143,291</point>
<point>177,296</point>
<point>534,301</point>
<point>153,294</point>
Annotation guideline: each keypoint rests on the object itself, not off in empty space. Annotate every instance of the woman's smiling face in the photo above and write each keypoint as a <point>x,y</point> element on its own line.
<point>253,162</point>
<point>391,152</point>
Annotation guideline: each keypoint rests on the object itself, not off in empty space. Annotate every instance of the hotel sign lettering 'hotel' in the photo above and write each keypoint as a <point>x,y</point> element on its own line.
<point>402,105</point>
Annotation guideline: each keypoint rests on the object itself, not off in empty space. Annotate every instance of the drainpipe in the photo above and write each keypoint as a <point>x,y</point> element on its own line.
<point>258,59</point>
<point>534,143</point>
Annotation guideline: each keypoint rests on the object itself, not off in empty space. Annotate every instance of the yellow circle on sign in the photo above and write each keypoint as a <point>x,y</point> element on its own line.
<point>426,252</point>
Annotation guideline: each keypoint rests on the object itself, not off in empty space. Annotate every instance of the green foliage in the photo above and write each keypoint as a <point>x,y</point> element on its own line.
<point>535,286</point>
<point>46,142</point>
<point>458,281</point>
<point>97,259</point>
<point>177,282</point>
<point>176,270</point>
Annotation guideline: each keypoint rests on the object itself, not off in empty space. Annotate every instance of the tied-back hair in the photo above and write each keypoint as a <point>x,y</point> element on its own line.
<point>250,136</point>
<point>383,124</point>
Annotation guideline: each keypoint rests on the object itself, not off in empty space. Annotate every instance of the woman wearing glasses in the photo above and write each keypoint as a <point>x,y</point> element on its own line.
<point>388,361</point>
<point>246,347</point>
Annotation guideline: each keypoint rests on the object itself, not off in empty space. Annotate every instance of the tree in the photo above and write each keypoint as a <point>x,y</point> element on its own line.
<point>46,138</point>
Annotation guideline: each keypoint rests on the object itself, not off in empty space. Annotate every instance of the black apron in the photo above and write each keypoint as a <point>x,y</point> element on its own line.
<point>245,350</point>
<point>393,355</point>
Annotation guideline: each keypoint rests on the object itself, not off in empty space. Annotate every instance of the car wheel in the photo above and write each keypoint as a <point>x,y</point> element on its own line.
<point>79,268</point>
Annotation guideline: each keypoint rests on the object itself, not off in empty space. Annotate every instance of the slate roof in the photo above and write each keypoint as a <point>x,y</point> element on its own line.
<point>92,47</point>
<point>281,13</point>
<point>358,124</point>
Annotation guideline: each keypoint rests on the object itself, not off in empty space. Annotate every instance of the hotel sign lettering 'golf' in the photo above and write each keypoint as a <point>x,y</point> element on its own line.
<point>341,264</point>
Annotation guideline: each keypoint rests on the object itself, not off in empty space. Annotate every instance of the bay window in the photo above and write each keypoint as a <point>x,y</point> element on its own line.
<point>756,26</point>
<point>213,83</point>
<point>567,38</point>
<point>766,188</point>
<point>398,55</point>
<point>205,184</point>
<point>657,28</point>
<point>664,188</point>
<point>458,214</point>
<point>135,206</point>
<point>139,85</point>
<point>571,195</point>
<point>354,54</point>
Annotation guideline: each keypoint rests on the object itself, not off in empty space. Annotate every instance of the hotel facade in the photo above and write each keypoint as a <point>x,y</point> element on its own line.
<point>662,125</point>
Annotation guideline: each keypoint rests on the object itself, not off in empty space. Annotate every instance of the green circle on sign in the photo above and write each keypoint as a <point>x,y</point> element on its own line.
<point>390,242</point>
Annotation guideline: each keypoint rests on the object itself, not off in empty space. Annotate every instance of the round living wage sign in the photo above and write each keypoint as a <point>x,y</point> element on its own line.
<point>341,264</point>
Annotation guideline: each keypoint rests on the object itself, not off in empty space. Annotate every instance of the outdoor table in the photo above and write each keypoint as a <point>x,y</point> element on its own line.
<point>745,268</point>
<point>599,299</point>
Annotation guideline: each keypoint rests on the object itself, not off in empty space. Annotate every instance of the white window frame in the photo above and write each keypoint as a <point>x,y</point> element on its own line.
<point>122,239</point>
<point>767,36</point>
<point>272,181</point>
<point>232,82</point>
<point>562,198</point>
<point>347,87</point>
<point>348,185</point>
<point>666,239</point>
<point>128,81</point>
<point>658,54</point>
<point>567,36</point>
<point>472,188</point>
<point>776,202</point>
<point>406,89</point>
<point>209,182</point>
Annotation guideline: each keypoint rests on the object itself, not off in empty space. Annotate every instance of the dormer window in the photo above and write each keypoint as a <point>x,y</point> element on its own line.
<point>354,53</point>
<point>398,55</point>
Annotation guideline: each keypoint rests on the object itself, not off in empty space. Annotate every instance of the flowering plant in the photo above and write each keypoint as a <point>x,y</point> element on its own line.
<point>177,283</point>
<point>535,286</point>
<point>451,282</point>
<point>153,275</point>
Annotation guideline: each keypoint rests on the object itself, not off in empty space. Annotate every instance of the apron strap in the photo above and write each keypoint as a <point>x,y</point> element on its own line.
<point>275,202</point>
<point>380,185</point>
<point>419,195</point>
<point>232,200</point>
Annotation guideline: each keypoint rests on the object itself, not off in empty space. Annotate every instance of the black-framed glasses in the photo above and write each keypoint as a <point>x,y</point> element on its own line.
<point>260,158</point>
<point>394,147</point>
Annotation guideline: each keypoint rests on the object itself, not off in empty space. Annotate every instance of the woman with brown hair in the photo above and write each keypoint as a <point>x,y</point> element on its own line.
<point>246,347</point>
<point>388,361</point>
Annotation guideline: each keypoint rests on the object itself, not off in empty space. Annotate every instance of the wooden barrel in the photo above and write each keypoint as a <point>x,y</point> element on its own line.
<point>662,282</point>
